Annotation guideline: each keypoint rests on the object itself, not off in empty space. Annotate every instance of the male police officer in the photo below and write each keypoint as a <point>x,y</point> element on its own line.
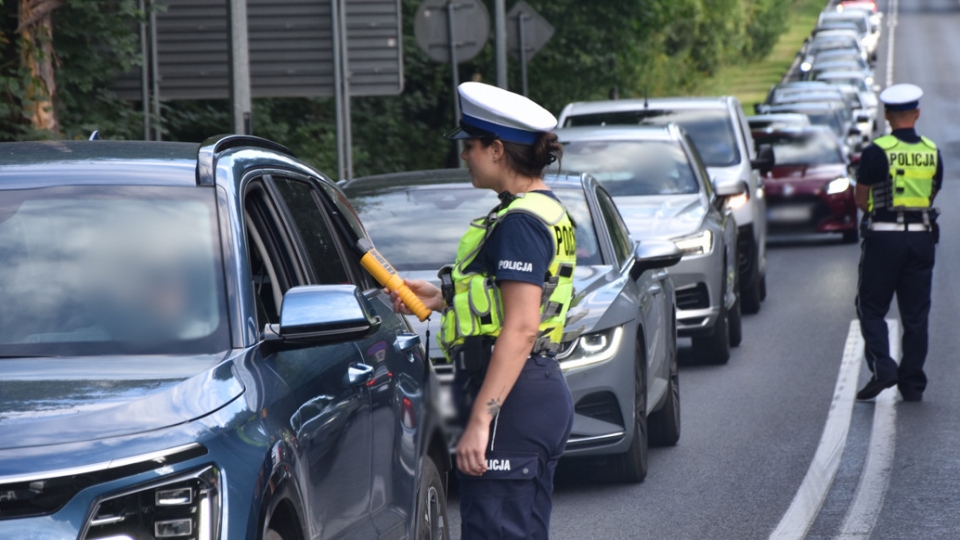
<point>898,179</point>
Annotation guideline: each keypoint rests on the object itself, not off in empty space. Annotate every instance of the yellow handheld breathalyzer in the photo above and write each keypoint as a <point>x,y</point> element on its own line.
<point>387,276</point>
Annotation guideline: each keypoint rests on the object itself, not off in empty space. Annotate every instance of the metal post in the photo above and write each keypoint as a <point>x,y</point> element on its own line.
<point>454,71</point>
<point>345,78</point>
<point>521,37</point>
<point>500,40</point>
<point>155,72</point>
<point>144,73</point>
<point>239,66</point>
<point>337,85</point>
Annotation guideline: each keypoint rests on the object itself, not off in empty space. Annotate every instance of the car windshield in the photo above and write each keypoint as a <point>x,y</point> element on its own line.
<point>802,148</point>
<point>633,168</point>
<point>710,129</point>
<point>110,270</point>
<point>828,119</point>
<point>395,218</point>
<point>856,82</point>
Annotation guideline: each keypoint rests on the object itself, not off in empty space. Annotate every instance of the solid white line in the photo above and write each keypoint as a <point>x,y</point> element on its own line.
<point>816,484</point>
<point>867,502</point>
<point>893,6</point>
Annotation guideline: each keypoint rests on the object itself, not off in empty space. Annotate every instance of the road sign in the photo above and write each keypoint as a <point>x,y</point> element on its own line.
<point>527,33</point>
<point>536,30</point>
<point>470,27</point>
<point>291,49</point>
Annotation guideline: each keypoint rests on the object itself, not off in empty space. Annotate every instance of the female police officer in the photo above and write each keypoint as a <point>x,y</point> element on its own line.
<point>510,287</point>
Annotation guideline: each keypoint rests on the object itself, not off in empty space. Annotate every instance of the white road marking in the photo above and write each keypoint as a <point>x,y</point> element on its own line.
<point>893,7</point>
<point>867,502</point>
<point>816,484</point>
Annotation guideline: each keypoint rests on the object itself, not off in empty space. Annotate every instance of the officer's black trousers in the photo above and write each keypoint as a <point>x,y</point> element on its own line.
<point>898,263</point>
<point>535,420</point>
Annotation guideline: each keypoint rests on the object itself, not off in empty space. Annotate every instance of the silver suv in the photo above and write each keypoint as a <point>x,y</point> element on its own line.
<point>719,129</point>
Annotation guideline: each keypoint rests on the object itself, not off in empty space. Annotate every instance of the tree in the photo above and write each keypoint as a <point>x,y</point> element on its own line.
<point>35,28</point>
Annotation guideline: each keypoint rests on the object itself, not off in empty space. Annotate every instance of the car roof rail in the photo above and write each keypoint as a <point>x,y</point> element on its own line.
<point>211,148</point>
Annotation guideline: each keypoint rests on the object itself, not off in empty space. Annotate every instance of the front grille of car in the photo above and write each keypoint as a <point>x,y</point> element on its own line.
<point>695,297</point>
<point>600,406</point>
<point>47,493</point>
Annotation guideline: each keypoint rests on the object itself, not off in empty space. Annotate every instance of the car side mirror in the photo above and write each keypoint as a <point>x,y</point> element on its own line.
<point>730,189</point>
<point>855,131</point>
<point>652,254</point>
<point>317,314</point>
<point>765,159</point>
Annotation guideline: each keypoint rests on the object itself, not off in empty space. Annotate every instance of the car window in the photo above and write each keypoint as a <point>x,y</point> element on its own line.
<point>622,246</point>
<point>394,215</point>
<point>628,168</point>
<point>319,244</point>
<point>710,129</point>
<point>110,270</point>
<point>812,148</point>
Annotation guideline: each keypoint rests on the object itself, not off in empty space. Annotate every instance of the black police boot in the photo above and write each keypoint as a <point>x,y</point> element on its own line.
<point>874,387</point>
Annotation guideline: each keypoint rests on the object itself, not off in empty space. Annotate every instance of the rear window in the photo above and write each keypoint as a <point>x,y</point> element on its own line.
<point>110,270</point>
<point>803,149</point>
<point>628,168</point>
<point>710,129</point>
<point>419,227</point>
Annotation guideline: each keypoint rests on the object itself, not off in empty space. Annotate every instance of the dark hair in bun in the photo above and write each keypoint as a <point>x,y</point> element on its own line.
<point>531,159</point>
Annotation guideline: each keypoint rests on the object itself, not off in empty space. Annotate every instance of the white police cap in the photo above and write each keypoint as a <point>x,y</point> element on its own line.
<point>901,97</point>
<point>491,112</point>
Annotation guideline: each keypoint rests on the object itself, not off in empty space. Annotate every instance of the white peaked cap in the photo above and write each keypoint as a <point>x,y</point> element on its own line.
<point>488,111</point>
<point>901,97</point>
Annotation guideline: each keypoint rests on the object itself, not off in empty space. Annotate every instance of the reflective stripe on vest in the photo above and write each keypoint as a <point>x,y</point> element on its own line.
<point>912,168</point>
<point>477,309</point>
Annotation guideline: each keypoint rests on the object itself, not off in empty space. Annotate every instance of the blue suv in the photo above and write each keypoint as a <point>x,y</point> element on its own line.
<point>189,349</point>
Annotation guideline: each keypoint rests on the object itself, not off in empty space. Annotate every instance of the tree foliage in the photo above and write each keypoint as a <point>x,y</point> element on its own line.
<point>601,48</point>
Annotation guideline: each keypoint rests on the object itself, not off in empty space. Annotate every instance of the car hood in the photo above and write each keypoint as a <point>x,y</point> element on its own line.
<point>800,173</point>
<point>662,217</point>
<point>64,400</point>
<point>595,289</point>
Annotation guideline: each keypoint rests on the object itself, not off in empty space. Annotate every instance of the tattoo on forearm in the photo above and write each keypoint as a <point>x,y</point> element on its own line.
<point>493,406</point>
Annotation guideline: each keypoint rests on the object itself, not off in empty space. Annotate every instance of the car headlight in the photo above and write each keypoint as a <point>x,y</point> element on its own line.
<point>590,349</point>
<point>698,244</point>
<point>186,506</point>
<point>838,186</point>
<point>868,80</point>
<point>737,201</point>
<point>806,66</point>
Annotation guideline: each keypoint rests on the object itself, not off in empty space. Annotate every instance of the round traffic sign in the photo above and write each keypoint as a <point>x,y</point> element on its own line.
<point>471,28</point>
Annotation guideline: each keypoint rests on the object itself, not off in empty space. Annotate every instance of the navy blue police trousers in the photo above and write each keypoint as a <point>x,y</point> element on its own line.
<point>513,499</point>
<point>901,263</point>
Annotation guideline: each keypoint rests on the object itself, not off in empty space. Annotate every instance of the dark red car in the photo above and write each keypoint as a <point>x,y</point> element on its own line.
<point>810,187</point>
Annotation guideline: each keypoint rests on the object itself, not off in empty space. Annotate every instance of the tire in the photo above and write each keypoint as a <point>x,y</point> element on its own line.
<point>631,467</point>
<point>432,522</point>
<point>852,236</point>
<point>715,348</point>
<point>735,324</point>
<point>763,288</point>
<point>664,425</point>
<point>750,295</point>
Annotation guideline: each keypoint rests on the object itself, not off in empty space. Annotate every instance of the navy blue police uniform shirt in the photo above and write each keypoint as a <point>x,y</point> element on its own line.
<point>874,169</point>
<point>519,249</point>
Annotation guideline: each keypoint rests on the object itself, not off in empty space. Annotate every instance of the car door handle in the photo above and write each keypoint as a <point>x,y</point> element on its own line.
<point>359,374</point>
<point>407,342</point>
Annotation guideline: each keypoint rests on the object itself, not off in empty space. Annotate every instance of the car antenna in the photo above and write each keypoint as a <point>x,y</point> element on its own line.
<point>95,136</point>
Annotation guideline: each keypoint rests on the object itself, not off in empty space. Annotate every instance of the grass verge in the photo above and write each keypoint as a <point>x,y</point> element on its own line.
<point>751,81</point>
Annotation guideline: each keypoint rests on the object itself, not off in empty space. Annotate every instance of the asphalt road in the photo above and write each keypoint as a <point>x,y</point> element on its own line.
<point>751,429</point>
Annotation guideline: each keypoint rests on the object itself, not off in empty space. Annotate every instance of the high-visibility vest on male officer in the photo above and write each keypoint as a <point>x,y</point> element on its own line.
<point>912,168</point>
<point>477,309</point>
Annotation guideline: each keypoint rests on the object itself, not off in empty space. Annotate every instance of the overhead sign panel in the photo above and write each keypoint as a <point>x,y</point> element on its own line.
<point>290,44</point>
